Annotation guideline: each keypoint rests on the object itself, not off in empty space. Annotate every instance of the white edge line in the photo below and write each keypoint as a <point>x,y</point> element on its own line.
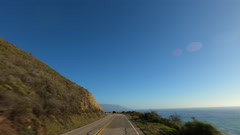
<point>131,125</point>
<point>82,127</point>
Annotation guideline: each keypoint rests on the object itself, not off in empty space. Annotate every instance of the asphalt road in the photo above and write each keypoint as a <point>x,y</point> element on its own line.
<point>92,128</point>
<point>120,125</point>
<point>112,124</point>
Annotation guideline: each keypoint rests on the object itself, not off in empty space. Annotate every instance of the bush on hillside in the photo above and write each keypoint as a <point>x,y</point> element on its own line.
<point>151,117</point>
<point>175,118</point>
<point>153,124</point>
<point>199,128</point>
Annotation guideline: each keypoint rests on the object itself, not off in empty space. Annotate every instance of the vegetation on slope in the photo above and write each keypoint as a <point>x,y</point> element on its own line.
<point>33,96</point>
<point>153,124</point>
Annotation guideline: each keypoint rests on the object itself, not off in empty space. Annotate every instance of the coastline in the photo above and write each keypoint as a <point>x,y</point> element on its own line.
<point>226,119</point>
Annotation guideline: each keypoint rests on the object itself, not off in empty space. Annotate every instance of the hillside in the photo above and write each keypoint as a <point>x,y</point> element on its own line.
<point>35,99</point>
<point>153,124</point>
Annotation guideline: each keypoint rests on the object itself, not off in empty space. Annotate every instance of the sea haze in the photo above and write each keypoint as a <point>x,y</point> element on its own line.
<point>226,119</point>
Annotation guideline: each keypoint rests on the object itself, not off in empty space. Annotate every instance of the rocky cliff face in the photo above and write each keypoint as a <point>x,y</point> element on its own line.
<point>31,92</point>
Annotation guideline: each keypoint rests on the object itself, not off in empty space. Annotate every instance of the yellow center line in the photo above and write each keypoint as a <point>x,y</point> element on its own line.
<point>101,129</point>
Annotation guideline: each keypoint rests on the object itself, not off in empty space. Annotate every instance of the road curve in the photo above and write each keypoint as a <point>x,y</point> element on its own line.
<point>120,125</point>
<point>112,124</point>
<point>92,128</point>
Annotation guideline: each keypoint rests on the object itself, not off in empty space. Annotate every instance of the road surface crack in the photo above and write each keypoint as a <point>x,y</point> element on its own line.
<point>125,130</point>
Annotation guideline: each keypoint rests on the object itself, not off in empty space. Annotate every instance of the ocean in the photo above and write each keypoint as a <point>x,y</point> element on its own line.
<point>226,119</point>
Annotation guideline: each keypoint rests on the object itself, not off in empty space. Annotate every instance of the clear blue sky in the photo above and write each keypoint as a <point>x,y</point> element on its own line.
<point>138,54</point>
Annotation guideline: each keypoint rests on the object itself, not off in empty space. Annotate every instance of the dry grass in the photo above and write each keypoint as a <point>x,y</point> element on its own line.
<point>30,87</point>
<point>153,124</point>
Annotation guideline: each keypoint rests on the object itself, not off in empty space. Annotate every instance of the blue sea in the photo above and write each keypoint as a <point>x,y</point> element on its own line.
<point>226,119</point>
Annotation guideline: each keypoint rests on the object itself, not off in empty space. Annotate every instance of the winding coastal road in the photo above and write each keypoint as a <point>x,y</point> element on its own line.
<point>112,124</point>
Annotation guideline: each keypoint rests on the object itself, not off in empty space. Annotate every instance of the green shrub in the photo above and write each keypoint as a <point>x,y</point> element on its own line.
<point>151,117</point>
<point>153,124</point>
<point>176,118</point>
<point>199,128</point>
<point>165,130</point>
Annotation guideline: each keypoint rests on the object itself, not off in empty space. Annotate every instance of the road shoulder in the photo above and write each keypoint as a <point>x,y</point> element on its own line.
<point>135,126</point>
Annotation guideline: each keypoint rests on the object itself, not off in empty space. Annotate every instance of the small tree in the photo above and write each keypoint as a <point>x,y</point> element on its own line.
<point>199,128</point>
<point>176,118</point>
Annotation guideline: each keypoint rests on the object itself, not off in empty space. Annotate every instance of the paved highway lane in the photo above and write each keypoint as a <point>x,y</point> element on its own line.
<point>112,124</point>
<point>120,125</point>
<point>92,128</point>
